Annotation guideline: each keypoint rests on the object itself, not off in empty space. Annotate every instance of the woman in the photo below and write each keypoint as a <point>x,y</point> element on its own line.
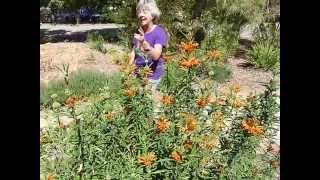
<point>151,40</point>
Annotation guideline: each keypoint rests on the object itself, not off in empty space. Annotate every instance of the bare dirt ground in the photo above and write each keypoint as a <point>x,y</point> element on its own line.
<point>78,55</point>
<point>250,79</point>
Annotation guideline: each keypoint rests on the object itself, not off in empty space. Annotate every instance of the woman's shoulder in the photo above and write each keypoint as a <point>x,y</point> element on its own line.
<point>161,28</point>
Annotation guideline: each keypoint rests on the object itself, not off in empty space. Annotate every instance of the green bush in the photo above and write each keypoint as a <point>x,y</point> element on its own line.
<point>264,55</point>
<point>96,42</point>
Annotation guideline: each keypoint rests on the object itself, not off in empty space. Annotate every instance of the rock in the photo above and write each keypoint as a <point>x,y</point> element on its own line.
<point>65,120</point>
<point>247,32</point>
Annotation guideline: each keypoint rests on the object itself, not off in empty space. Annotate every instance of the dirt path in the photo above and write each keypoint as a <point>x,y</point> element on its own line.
<point>250,79</point>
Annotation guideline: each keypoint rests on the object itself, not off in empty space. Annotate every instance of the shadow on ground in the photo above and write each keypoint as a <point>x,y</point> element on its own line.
<point>53,36</point>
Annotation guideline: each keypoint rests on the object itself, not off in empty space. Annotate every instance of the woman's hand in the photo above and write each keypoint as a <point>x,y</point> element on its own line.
<point>140,36</point>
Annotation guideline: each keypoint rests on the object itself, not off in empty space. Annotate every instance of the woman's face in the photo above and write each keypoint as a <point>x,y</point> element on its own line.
<point>144,17</point>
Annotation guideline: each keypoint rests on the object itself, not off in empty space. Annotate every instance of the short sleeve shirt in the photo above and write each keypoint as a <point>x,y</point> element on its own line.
<point>156,36</point>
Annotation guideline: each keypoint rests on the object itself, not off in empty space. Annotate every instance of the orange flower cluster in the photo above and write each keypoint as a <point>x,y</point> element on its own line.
<point>202,102</point>
<point>208,143</point>
<point>71,101</point>
<point>187,144</point>
<point>190,121</point>
<point>130,92</point>
<point>188,47</point>
<point>186,64</point>
<point>176,155</point>
<point>147,159</point>
<point>213,54</point>
<point>251,127</point>
<point>145,72</point>
<point>235,88</point>
<point>109,116</point>
<point>166,100</point>
<point>128,69</point>
<point>162,125</point>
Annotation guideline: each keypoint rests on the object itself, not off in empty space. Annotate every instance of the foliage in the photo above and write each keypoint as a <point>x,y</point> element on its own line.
<point>264,55</point>
<point>96,41</point>
<point>198,132</point>
<point>56,5</point>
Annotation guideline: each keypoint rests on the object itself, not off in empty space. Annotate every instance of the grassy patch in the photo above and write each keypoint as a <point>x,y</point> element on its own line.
<point>81,83</point>
<point>220,73</point>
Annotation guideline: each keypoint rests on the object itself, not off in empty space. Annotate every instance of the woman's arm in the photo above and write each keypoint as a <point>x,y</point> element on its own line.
<point>153,52</point>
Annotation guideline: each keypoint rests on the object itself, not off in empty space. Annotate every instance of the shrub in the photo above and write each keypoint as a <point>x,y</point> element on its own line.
<point>96,42</point>
<point>264,55</point>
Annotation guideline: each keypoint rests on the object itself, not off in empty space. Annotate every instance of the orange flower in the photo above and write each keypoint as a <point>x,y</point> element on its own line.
<point>166,100</point>
<point>235,88</point>
<point>202,102</point>
<point>162,125</point>
<point>109,116</point>
<point>213,54</point>
<point>166,58</point>
<point>128,69</point>
<point>237,103</point>
<point>130,92</point>
<point>187,144</point>
<point>188,47</point>
<point>50,177</point>
<point>147,160</point>
<point>71,101</point>
<point>251,127</point>
<point>274,164</point>
<point>191,123</point>
<point>194,62</point>
<point>185,64</point>
<point>145,72</point>
<point>176,155</point>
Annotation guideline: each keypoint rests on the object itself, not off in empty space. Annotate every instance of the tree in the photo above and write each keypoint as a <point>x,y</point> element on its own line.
<point>56,5</point>
<point>44,3</point>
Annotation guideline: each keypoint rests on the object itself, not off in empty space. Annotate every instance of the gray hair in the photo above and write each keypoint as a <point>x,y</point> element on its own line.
<point>149,5</point>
